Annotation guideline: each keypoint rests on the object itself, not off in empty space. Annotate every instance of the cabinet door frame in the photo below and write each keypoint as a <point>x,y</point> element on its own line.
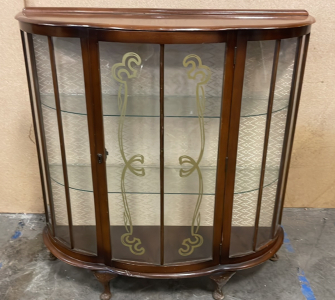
<point>161,38</point>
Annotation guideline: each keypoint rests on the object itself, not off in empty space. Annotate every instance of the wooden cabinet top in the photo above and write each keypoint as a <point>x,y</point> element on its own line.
<point>165,19</point>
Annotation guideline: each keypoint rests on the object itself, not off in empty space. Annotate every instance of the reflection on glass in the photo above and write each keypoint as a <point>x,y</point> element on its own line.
<point>50,125</point>
<point>256,86</point>
<point>130,94</point>
<point>291,129</point>
<point>193,88</point>
<point>276,136</point>
<point>38,134</point>
<point>69,66</point>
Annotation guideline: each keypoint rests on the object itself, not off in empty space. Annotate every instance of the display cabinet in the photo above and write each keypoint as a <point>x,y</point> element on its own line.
<point>164,136</point>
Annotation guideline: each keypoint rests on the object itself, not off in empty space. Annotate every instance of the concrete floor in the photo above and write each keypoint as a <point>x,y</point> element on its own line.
<point>305,270</point>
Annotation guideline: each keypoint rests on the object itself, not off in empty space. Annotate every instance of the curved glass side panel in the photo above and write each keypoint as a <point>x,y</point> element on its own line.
<point>38,135</point>
<point>51,135</point>
<point>255,98</point>
<point>69,66</point>
<point>252,225</point>
<point>74,213</point>
<point>130,95</point>
<point>290,133</point>
<point>276,137</point>
<point>193,84</point>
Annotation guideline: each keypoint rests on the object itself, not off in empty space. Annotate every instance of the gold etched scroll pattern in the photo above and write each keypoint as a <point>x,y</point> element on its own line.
<point>125,67</point>
<point>202,72</point>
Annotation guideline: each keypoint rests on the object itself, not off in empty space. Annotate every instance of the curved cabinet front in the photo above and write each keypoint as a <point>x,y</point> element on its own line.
<point>164,158</point>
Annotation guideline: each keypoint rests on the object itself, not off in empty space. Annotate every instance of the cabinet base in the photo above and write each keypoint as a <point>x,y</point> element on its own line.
<point>219,273</point>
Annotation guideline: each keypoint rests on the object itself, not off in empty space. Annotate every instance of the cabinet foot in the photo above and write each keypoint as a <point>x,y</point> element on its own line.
<point>275,257</point>
<point>220,280</point>
<point>51,256</point>
<point>104,278</point>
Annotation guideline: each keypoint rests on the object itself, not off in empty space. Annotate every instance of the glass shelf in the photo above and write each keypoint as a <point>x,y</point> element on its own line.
<point>148,184</point>
<point>139,106</point>
<point>247,180</point>
<point>148,106</point>
<point>254,108</point>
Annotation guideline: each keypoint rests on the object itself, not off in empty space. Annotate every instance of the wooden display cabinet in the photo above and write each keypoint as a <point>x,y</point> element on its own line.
<point>164,136</point>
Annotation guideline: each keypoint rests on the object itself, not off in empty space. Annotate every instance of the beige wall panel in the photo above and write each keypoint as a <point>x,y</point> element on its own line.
<point>20,189</point>
<point>312,173</point>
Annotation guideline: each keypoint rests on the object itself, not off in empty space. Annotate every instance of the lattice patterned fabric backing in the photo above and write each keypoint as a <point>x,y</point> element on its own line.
<point>137,131</point>
<point>252,130</point>
<point>71,82</point>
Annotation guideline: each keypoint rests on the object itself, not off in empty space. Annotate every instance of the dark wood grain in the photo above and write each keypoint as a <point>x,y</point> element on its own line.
<point>221,220</point>
<point>91,65</point>
<point>165,19</point>
<point>241,48</point>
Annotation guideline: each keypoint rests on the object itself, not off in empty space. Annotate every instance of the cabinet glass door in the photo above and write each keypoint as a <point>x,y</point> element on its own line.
<point>130,95</point>
<point>193,84</point>
<point>133,96</point>
<point>260,142</point>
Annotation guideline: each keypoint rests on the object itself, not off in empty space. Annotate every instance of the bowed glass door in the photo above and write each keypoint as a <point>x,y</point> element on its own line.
<point>161,111</point>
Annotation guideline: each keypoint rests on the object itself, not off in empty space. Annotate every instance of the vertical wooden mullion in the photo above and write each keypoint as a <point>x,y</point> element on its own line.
<point>61,137</point>
<point>287,131</point>
<point>161,94</point>
<point>266,139</point>
<point>42,133</point>
<point>91,65</point>
<point>227,86</point>
<point>235,112</point>
<point>302,72</point>
<point>37,143</point>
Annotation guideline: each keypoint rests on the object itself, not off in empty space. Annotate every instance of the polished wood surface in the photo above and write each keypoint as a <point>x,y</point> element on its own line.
<point>165,19</point>
<point>240,50</point>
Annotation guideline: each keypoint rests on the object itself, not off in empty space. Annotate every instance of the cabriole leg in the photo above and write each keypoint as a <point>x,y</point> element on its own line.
<point>275,257</point>
<point>105,278</point>
<point>51,256</point>
<point>220,280</point>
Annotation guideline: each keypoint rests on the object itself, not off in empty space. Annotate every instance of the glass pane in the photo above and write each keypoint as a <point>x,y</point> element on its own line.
<point>38,130</point>
<point>71,86</point>
<point>50,125</point>
<point>276,137</point>
<point>256,86</point>
<point>130,95</point>
<point>193,79</point>
<point>290,131</point>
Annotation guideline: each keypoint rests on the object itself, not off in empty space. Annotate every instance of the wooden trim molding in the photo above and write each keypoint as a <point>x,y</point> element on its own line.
<point>165,19</point>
